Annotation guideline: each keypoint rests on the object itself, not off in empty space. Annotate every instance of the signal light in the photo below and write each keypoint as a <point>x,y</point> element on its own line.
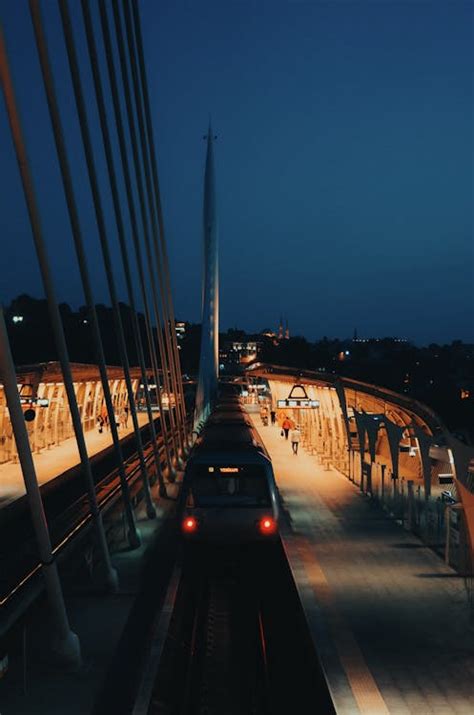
<point>267,525</point>
<point>189,525</point>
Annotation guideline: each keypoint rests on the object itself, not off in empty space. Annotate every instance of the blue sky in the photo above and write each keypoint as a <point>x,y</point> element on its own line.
<point>344,161</point>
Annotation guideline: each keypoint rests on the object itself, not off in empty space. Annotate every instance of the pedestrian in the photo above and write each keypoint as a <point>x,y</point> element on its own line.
<point>121,418</point>
<point>100,422</point>
<point>272,416</point>
<point>105,416</point>
<point>295,439</point>
<point>126,411</point>
<point>286,426</point>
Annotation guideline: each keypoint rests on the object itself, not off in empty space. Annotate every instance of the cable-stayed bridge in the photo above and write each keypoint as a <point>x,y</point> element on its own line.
<point>373,577</point>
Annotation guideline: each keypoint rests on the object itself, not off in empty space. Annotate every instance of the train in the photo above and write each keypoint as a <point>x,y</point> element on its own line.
<point>229,492</point>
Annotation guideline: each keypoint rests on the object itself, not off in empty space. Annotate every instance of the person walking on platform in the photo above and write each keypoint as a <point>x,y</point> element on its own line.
<point>272,416</point>
<point>122,418</point>
<point>295,439</point>
<point>105,416</point>
<point>286,426</point>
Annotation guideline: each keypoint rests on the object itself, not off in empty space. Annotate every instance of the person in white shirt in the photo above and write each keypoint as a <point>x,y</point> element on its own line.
<point>295,436</point>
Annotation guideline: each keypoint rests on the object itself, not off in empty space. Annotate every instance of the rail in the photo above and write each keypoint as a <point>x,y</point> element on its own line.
<point>71,523</point>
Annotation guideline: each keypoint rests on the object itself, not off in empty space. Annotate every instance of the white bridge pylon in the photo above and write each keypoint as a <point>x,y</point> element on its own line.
<point>209,354</point>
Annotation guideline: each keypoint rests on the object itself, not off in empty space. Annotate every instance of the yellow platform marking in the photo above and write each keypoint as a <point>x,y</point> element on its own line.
<point>363,685</point>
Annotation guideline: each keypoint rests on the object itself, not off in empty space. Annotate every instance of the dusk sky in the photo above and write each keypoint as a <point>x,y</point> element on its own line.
<point>344,161</point>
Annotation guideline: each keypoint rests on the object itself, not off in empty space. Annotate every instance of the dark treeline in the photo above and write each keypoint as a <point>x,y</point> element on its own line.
<point>32,338</point>
<point>441,376</point>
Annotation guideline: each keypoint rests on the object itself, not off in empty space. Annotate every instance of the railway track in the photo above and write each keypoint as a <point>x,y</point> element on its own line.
<point>67,511</point>
<point>237,642</point>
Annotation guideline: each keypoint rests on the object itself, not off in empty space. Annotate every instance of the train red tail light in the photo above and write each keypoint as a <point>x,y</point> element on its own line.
<point>267,525</point>
<point>189,525</point>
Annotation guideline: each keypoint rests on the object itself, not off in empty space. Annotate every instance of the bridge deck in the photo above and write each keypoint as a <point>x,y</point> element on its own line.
<point>50,463</point>
<point>391,620</point>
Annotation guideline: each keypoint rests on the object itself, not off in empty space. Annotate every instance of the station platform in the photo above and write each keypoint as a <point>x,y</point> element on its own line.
<point>52,462</point>
<point>389,618</point>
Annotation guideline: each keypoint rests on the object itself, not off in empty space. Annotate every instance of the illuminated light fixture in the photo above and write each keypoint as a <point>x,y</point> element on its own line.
<point>267,525</point>
<point>17,318</point>
<point>189,525</point>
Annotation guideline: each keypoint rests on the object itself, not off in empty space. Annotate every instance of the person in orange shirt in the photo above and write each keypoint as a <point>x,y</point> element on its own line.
<point>286,426</point>
<point>105,415</point>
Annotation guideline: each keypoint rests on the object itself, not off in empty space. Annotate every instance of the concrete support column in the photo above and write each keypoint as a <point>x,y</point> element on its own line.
<point>394,434</point>
<point>424,442</point>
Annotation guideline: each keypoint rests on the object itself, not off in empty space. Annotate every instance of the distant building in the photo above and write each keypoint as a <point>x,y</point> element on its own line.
<point>234,354</point>
<point>378,340</point>
<point>280,329</point>
<point>246,352</point>
<point>180,328</point>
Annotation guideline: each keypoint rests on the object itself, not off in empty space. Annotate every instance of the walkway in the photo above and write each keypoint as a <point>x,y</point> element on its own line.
<point>389,617</point>
<point>52,462</point>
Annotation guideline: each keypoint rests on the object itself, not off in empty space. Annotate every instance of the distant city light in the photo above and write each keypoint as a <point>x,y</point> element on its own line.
<point>180,328</point>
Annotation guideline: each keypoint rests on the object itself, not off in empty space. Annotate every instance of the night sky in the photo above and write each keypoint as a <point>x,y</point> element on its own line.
<point>344,161</point>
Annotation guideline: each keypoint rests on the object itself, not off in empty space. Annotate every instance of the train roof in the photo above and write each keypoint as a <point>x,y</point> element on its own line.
<point>229,434</point>
<point>228,417</point>
<point>237,433</point>
<point>227,403</point>
<point>252,455</point>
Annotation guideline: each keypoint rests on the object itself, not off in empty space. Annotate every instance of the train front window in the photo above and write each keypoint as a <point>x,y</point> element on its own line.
<point>244,486</point>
